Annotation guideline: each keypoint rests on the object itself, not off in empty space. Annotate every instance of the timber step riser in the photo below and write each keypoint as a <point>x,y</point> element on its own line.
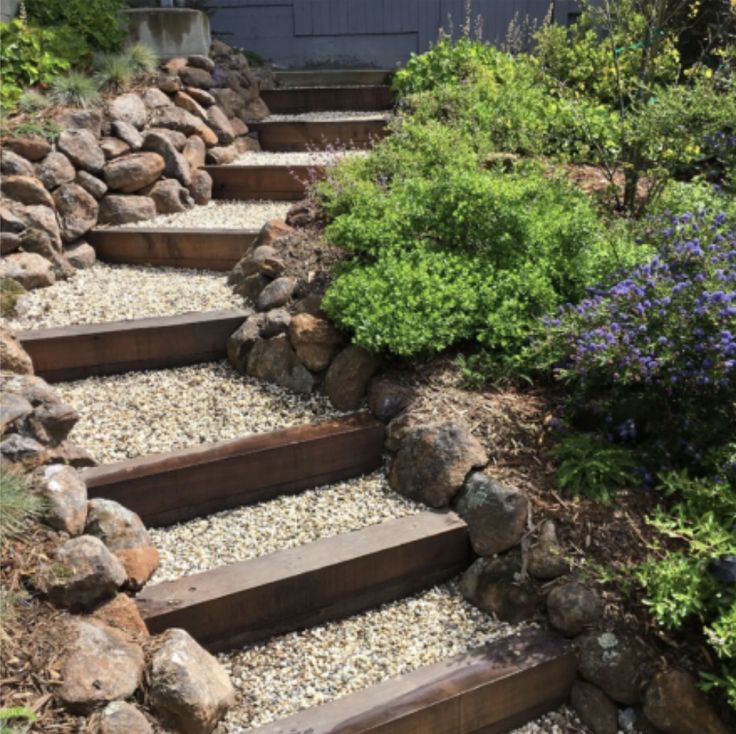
<point>168,488</point>
<point>202,249</point>
<point>269,183</point>
<point>77,352</point>
<point>290,78</point>
<point>488,690</point>
<point>315,583</point>
<point>292,101</point>
<point>300,136</point>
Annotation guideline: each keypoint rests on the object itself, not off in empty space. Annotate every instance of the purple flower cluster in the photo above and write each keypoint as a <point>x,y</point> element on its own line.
<point>664,336</point>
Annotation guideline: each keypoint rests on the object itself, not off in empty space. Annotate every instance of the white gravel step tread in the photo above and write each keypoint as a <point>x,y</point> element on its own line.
<point>285,522</point>
<point>332,116</point>
<point>139,413</point>
<point>296,158</point>
<point>105,293</point>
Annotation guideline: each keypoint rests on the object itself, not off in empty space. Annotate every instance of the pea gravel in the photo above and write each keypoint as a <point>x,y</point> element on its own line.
<point>138,413</point>
<point>116,293</point>
<point>302,669</point>
<point>296,158</point>
<point>332,116</point>
<point>220,214</point>
<point>284,522</point>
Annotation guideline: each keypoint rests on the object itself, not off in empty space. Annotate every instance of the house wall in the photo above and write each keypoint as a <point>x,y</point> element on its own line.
<point>360,33</point>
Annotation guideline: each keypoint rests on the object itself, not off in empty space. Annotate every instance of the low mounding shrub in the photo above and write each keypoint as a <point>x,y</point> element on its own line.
<point>74,90</point>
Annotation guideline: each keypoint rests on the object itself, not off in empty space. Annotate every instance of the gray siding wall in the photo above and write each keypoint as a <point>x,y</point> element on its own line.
<point>360,33</point>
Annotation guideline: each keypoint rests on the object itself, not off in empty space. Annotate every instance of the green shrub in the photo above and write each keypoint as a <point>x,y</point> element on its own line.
<point>97,22</point>
<point>33,101</point>
<point>17,503</point>
<point>30,56</point>
<point>114,72</point>
<point>680,586</point>
<point>74,90</point>
<point>142,58</point>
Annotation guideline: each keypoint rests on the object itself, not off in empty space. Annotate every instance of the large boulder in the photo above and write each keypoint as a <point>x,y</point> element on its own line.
<point>128,108</point>
<point>83,573</point>
<point>28,269</point>
<point>30,147</point>
<point>133,172</point>
<point>674,705</point>
<point>175,164</point>
<point>273,360</point>
<point>573,607</point>
<point>100,665</point>
<point>433,462</point>
<point>91,184</point>
<point>193,76</point>
<point>194,152</point>
<point>123,532</point>
<point>43,218</point>
<point>14,409</point>
<point>188,686</point>
<point>594,708</point>
<point>219,122</point>
<point>183,100</point>
<point>230,101</point>
<point>348,376</point>
<point>80,255</point>
<point>315,340</point>
<point>496,586</point>
<point>242,341</point>
<point>82,149</point>
<point>114,147</point>
<point>12,164</point>
<point>495,513</point>
<point>24,452</point>
<point>128,133</point>
<point>26,190</point>
<point>55,169</point>
<point>222,155</point>
<point>12,355</point>
<point>120,717</point>
<point>619,664</point>
<point>546,558</point>
<point>387,398</point>
<point>118,209</point>
<point>262,259</point>
<point>176,118</point>
<point>200,188</point>
<point>65,495</point>
<point>77,210</point>
<point>155,99</point>
<point>170,196</point>
<point>89,119</point>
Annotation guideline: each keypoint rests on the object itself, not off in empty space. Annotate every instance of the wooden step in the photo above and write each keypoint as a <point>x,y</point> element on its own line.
<point>271,183</point>
<point>299,587</point>
<point>207,249</point>
<point>75,352</point>
<point>487,690</point>
<point>168,488</point>
<point>290,135</point>
<point>332,77</point>
<point>291,101</point>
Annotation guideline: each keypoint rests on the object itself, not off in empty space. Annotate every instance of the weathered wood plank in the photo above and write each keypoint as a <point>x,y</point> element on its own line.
<point>168,488</point>
<point>271,183</point>
<point>300,135</point>
<point>76,352</point>
<point>208,249</point>
<point>289,101</point>
<point>487,690</point>
<point>299,587</point>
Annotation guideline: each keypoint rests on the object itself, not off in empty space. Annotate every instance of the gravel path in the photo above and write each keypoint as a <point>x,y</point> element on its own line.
<point>332,116</point>
<point>284,522</point>
<point>115,293</point>
<point>302,669</point>
<point>296,158</point>
<point>220,214</point>
<point>138,413</point>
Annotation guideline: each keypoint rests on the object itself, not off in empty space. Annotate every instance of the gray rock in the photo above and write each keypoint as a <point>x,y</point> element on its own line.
<point>242,341</point>
<point>183,100</point>
<point>219,122</point>
<point>496,586</point>
<point>28,269</point>
<point>170,196</point>
<point>80,255</point>
<point>66,498</point>
<point>264,260</point>
<point>117,209</point>
<point>619,664</point>
<point>88,119</point>
<point>100,665</point>
<point>9,242</point>
<point>83,573</point>
<point>23,451</point>
<point>77,210</point>
<point>222,155</point>
<point>546,558</point>
<point>114,147</point>
<point>55,169</point>
<point>169,83</point>
<point>251,286</point>
<point>128,108</point>
<point>201,187</point>
<point>12,164</point>
<point>573,608</point>
<point>81,147</point>
<point>232,103</point>
<point>276,322</point>
<point>496,513</point>
<point>191,76</point>
<point>178,119</point>
<point>10,219</point>
<point>201,62</point>
<point>433,461</point>
<point>38,242</point>
<point>26,190</point>
<point>175,164</point>
<point>386,399</point>
<point>594,708</point>
<point>120,717</point>
<point>13,409</point>
<point>276,294</point>
<point>30,147</point>
<point>91,184</point>
<point>53,421</point>
<point>273,360</point>
<point>189,687</point>
<point>348,377</point>
<point>194,152</point>
<point>155,99</point>
<point>133,172</point>
<point>200,96</point>
<point>315,340</point>
<point>45,219</point>
<point>128,133</point>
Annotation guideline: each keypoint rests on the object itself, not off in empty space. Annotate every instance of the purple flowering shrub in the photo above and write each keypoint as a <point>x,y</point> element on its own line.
<point>652,359</point>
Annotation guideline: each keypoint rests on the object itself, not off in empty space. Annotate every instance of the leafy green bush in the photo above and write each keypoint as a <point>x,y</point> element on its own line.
<point>74,90</point>
<point>97,22</point>
<point>31,56</point>
<point>681,580</point>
